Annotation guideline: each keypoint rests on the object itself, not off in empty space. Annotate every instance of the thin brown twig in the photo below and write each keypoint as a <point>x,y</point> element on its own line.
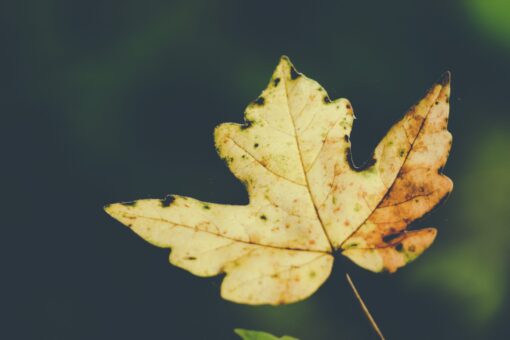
<point>364,307</point>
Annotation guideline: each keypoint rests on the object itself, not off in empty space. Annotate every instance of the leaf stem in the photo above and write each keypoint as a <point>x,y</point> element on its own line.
<point>364,307</point>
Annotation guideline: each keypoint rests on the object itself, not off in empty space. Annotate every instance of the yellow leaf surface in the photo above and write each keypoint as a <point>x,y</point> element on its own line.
<point>307,199</point>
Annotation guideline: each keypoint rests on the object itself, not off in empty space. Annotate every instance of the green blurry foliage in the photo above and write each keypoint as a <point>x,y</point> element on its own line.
<point>472,266</point>
<point>246,334</point>
<point>492,18</point>
<point>87,76</point>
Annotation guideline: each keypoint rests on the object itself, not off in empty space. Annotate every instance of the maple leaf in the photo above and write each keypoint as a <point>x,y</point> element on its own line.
<point>306,197</point>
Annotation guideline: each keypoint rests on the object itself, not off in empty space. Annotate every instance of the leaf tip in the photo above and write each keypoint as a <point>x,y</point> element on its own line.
<point>445,78</point>
<point>285,59</point>
<point>110,209</point>
<point>116,210</point>
<point>288,68</point>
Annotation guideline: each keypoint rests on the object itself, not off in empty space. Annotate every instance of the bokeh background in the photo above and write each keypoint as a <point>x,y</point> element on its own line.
<point>110,101</point>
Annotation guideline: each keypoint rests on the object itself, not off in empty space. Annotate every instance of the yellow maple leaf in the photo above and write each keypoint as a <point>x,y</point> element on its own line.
<point>307,199</point>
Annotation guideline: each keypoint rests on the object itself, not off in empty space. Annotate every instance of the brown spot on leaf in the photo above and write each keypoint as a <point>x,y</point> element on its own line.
<point>259,101</point>
<point>167,201</point>
<point>390,238</point>
<point>444,79</point>
<point>247,124</point>
<point>293,73</point>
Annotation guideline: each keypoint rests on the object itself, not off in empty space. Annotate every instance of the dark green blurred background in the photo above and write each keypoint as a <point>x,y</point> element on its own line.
<point>117,100</point>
